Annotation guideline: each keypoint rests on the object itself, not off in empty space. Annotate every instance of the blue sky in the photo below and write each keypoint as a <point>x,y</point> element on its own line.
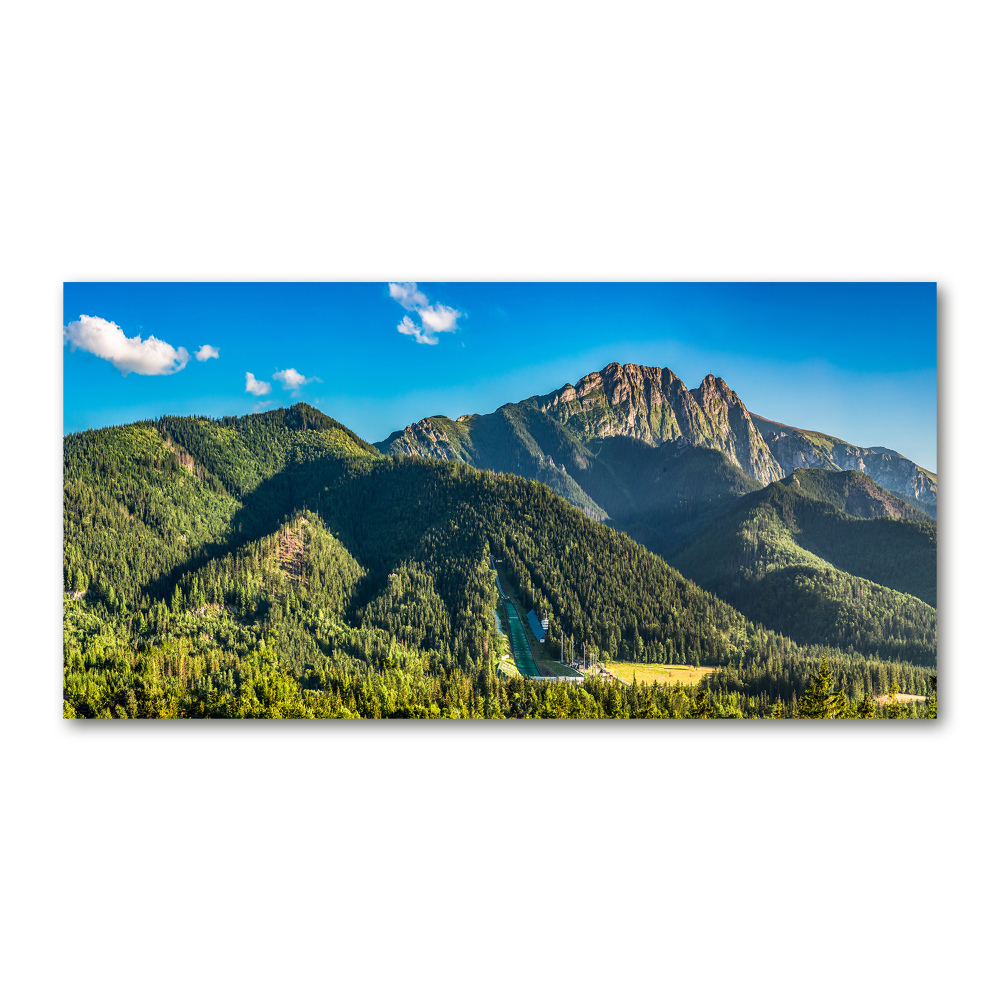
<point>858,361</point>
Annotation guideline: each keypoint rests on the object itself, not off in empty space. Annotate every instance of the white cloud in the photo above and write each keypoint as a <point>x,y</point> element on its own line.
<point>128,354</point>
<point>292,380</point>
<point>434,319</point>
<point>412,330</point>
<point>439,319</point>
<point>206,351</point>
<point>257,388</point>
<point>406,294</point>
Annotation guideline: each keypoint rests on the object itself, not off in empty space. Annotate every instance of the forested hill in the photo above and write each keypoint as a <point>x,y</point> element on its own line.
<point>855,493</point>
<point>805,567</point>
<point>141,500</point>
<point>152,505</point>
<point>252,565</point>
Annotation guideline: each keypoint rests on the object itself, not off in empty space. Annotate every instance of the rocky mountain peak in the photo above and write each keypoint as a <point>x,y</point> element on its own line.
<point>653,405</point>
<point>713,387</point>
<point>616,374</point>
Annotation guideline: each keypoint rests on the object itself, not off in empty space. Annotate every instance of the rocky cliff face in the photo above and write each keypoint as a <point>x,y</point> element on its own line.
<point>794,448</point>
<point>654,406</point>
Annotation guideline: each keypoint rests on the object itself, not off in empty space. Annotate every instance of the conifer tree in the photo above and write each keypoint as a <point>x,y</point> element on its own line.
<point>821,700</point>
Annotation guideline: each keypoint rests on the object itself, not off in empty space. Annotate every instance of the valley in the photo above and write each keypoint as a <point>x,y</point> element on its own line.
<point>533,658</point>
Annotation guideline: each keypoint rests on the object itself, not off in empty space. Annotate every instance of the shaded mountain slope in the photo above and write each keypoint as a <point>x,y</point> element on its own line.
<point>804,567</point>
<point>663,494</point>
<point>854,493</point>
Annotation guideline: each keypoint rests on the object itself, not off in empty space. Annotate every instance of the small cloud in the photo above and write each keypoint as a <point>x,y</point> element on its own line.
<point>257,388</point>
<point>407,294</point>
<point>206,351</point>
<point>412,330</point>
<point>264,404</point>
<point>107,340</point>
<point>434,319</point>
<point>439,319</point>
<point>293,381</point>
<point>290,379</point>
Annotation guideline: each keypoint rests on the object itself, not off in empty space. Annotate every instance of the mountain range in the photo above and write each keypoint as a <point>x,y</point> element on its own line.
<point>756,511</point>
<point>251,565</point>
<point>643,415</point>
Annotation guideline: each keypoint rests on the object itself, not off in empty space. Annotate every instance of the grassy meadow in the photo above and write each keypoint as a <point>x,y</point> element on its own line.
<point>661,673</point>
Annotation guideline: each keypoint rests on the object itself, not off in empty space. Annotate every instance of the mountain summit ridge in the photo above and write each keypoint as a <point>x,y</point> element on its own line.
<point>654,405</point>
<point>559,436</point>
<point>794,448</point>
<point>647,404</point>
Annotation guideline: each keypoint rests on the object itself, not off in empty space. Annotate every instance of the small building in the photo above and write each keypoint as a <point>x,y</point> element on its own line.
<point>536,626</point>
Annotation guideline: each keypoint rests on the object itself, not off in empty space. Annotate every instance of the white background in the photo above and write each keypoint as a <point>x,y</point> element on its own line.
<point>464,141</point>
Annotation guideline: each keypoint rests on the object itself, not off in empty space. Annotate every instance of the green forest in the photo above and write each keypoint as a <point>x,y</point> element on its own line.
<point>802,566</point>
<point>276,565</point>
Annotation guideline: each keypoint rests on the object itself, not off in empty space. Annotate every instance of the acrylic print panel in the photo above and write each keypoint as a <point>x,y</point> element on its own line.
<point>497,500</point>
